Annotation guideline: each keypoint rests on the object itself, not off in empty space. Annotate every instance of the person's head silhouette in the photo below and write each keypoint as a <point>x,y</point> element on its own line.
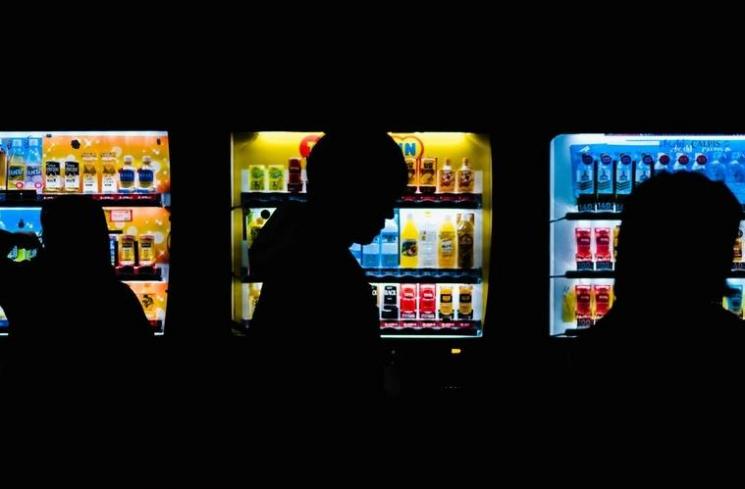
<point>676,243</point>
<point>75,235</point>
<point>354,179</point>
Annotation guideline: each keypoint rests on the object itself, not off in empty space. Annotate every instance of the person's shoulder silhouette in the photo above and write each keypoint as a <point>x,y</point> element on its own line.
<point>675,251</point>
<point>73,326</point>
<point>316,305</point>
<point>70,291</point>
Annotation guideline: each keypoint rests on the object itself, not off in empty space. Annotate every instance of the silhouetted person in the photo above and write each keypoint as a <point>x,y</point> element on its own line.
<point>667,334</point>
<point>73,324</point>
<point>316,324</point>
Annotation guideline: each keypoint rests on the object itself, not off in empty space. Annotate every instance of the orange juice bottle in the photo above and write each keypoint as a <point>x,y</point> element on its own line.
<point>446,244</point>
<point>409,244</point>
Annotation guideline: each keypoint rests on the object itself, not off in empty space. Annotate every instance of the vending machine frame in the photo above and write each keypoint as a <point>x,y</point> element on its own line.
<point>241,201</point>
<point>565,214</point>
<point>139,211</point>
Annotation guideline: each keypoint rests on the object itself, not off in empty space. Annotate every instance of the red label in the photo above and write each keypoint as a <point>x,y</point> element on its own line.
<point>427,300</point>
<point>307,143</point>
<point>602,244</point>
<point>584,301</point>
<point>602,300</point>
<point>408,301</point>
<point>584,240</point>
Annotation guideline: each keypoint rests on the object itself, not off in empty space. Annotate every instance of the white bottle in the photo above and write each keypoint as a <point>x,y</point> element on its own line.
<point>428,242</point>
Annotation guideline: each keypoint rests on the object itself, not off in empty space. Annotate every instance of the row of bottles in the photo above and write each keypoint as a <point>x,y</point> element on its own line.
<point>423,245</point>
<point>424,176</point>
<point>262,178</point>
<point>596,247</point>
<point>427,178</point>
<point>95,174</point>
<point>130,250</point>
<point>584,304</point>
<point>605,174</point>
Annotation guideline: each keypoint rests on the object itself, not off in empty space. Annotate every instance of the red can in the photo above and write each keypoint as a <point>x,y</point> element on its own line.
<point>427,301</point>
<point>602,244</point>
<point>584,243</point>
<point>408,301</point>
<point>584,301</point>
<point>602,300</point>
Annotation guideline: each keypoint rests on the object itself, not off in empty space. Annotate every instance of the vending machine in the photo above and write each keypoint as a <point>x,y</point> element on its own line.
<point>127,171</point>
<point>590,177</point>
<point>429,266</point>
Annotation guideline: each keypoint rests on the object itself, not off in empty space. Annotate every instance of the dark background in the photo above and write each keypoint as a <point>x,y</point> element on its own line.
<point>522,72</point>
<point>522,101</point>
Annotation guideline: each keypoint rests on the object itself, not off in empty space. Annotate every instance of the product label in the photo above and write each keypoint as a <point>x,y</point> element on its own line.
<point>409,247</point>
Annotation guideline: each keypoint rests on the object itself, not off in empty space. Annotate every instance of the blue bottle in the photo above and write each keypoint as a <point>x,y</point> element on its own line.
<point>371,254</point>
<point>389,252</point>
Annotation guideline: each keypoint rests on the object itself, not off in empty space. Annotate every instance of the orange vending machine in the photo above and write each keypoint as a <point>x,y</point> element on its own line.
<point>127,171</point>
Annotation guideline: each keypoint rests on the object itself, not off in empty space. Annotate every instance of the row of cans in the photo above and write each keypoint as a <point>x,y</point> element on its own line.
<point>589,303</point>
<point>428,302</point>
<point>596,248</point>
<point>586,304</point>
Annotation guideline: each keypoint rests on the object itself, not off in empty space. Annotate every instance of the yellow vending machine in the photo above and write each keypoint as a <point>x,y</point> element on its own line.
<point>430,263</point>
